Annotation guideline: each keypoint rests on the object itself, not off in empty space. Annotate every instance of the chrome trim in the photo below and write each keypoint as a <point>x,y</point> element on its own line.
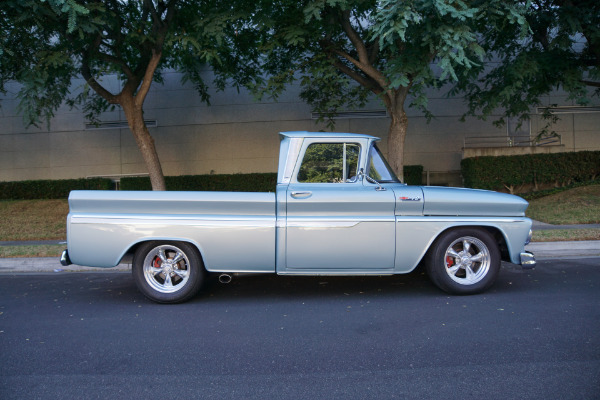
<point>216,221</point>
<point>473,219</point>
<point>529,236</point>
<point>324,224</point>
<point>527,260</point>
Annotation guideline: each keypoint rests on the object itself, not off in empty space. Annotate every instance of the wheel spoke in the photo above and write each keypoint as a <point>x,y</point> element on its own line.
<point>168,281</point>
<point>178,257</point>
<point>155,271</point>
<point>182,273</point>
<point>466,246</point>
<point>454,269</point>
<point>452,253</point>
<point>477,257</point>
<point>162,256</point>
<point>470,273</point>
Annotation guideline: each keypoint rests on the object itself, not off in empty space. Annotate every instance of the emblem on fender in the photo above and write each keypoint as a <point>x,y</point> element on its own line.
<point>404,198</point>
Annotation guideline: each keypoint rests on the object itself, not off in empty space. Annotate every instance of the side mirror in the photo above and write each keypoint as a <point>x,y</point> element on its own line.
<point>362,174</point>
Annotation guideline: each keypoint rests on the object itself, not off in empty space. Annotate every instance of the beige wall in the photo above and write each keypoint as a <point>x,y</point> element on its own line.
<point>235,134</point>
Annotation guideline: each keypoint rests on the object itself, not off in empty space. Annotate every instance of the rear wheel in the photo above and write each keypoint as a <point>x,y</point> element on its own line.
<point>168,272</point>
<point>464,261</point>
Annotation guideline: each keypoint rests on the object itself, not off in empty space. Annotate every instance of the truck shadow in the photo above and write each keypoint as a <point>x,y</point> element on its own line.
<point>276,286</point>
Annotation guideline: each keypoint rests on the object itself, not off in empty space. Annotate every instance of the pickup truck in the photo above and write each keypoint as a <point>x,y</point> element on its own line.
<point>337,209</point>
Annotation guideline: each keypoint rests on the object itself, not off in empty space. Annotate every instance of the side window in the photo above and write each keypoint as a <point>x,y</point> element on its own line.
<point>379,169</point>
<point>330,163</point>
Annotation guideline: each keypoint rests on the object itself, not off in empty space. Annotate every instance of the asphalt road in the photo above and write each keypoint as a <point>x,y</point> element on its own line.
<point>535,335</point>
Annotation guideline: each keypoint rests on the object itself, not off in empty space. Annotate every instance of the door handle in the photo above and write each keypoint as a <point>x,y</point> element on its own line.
<point>301,195</point>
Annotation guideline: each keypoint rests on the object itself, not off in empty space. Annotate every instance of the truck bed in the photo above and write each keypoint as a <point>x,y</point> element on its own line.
<point>234,231</point>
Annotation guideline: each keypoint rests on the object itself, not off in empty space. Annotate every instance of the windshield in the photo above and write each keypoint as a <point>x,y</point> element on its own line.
<point>379,169</point>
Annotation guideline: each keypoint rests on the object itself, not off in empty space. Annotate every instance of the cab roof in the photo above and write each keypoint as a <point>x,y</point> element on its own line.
<point>306,134</point>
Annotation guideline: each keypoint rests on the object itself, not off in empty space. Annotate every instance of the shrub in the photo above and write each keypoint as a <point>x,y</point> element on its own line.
<point>258,182</point>
<point>413,174</point>
<point>514,173</point>
<point>50,189</point>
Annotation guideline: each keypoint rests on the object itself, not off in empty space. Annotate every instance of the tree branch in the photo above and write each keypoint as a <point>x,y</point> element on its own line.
<point>591,83</point>
<point>86,72</point>
<point>147,81</point>
<point>354,37</point>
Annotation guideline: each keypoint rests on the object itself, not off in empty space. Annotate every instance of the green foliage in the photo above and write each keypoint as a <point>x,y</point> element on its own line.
<point>324,162</point>
<point>50,189</point>
<point>257,182</point>
<point>560,49</point>
<point>510,172</point>
<point>45,45</point>
<point>413,174</point>
<point>342,52</point>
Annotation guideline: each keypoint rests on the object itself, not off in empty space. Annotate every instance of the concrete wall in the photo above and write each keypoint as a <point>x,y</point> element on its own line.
<point>235,134</point>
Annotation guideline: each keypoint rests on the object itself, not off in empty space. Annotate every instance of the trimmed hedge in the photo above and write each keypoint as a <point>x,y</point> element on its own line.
<point>265,182</point>
<point>50,189</point>
<point>413,174</point>
<point>514,172</point>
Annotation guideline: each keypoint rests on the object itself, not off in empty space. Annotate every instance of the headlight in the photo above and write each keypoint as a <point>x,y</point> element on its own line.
<point>528,240</point>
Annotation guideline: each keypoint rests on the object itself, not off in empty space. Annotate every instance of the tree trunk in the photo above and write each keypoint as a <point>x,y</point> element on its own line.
<point>397,135</point>
<point>145,142</point>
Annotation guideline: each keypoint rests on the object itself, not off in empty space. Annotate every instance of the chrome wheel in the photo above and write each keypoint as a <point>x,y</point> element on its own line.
<point>463,260</point>
<point>166,269</point>
<point>467,260</point>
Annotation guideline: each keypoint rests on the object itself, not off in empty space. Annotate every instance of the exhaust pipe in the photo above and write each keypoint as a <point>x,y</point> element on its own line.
<point>224,278</point>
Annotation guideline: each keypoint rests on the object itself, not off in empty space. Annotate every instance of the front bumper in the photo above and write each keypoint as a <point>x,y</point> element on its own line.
<point>64,258</point>
<point>527,260</point>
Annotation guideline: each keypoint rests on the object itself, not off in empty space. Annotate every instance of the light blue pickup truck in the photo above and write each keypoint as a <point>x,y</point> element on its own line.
<point>338,209</point>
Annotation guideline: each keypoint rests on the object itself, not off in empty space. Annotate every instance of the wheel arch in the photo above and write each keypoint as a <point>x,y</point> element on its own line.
<point>129,253</point>
<point>497,233</point>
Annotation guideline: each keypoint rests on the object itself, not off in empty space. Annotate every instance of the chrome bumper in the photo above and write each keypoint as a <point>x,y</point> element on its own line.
<point>527,260</point>
<point>64,259</point>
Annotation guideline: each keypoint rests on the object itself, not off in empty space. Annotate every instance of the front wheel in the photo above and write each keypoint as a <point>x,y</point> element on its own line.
<point>168,272</point>
<point>464,261</point>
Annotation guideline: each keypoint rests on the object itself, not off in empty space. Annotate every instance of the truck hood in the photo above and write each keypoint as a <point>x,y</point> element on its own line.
<point>471,202</point>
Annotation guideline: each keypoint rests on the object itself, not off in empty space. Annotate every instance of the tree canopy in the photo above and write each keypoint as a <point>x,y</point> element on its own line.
<point>46,45</point>
<point>343,51</point>
<point>561,50</point>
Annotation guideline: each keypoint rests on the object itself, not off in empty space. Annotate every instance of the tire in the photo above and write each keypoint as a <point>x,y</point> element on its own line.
<point>463,261</point>
<point>161,279</point>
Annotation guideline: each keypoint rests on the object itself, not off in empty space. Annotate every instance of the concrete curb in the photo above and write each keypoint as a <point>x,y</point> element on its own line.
<point>50,264</point>
<point>542,251</point>
<point>548,250</point>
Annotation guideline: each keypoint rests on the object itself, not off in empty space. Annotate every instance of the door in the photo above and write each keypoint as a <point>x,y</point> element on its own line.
<point>335,221</point>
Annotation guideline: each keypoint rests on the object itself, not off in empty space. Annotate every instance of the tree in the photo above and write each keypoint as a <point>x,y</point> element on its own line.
<point>343,51</point>
<point>561,50</point>
<point>45,45</point>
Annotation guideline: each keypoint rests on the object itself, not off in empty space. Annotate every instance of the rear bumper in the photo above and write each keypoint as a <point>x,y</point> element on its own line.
<point>527,260</point>
<point>64,258</point>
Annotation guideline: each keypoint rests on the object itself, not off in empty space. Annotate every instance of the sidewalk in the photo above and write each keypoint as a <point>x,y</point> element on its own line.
<point>542,251</point>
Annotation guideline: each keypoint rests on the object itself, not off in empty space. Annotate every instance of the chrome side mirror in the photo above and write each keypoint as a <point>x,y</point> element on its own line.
<point>362,174</point>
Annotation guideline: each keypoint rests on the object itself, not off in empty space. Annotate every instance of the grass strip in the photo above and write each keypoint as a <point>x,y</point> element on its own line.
<point>33,219</point>
<point>562,235</point>
<point>576,206</point>
<point>52,250</point>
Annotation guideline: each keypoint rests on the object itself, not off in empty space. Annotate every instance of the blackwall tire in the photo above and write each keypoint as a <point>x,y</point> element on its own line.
<point>168,272</point>
<point>463,261</point>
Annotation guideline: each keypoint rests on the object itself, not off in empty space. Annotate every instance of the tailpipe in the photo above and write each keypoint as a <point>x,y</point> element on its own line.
<point>224,278</point>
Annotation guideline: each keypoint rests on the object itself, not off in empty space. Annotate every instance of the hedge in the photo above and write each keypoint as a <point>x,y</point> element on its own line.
<point>50,189</point>
<point>59,189</point>
<point>413,174</point>
<point>265,182</point>
<point>513,173</point>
